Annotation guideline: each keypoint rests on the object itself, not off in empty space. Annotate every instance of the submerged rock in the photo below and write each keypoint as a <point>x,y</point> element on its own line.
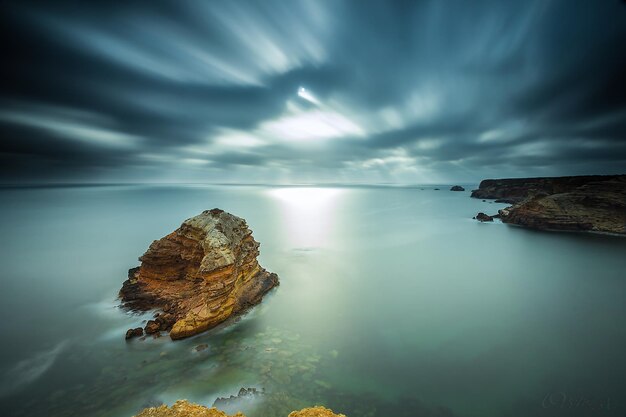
<point>183,408</point>
<point>199,275</point>
<point>201,347</point>
<point>244,394</point>
<point>457,188</point>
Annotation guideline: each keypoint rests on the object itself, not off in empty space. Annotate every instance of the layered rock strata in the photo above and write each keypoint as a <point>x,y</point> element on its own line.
<point>593,207</point>
<point>183,408</point>
<point>589,203</point>
<point>198,275</point>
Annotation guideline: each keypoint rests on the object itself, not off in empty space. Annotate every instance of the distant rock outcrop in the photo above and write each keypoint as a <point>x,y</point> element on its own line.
<point>245,394</point>
<point>198,275</point>
<point>586,203</point>
<point>515,190</point>
<point>183,408</point>
<point>457,188</point>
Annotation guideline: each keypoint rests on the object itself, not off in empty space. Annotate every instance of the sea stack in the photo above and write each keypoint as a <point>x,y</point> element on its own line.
<point>199,275</point>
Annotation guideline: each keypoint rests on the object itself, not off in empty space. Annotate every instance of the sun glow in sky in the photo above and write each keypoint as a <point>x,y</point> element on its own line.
<point>305,94</point>
<point>313,124</point>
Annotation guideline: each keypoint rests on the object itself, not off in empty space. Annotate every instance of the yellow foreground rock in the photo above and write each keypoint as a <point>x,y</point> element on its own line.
<point>315,412</point>
<point>198,276</point>
<point>184,408</point>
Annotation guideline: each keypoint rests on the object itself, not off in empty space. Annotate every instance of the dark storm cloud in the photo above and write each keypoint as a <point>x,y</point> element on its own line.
<point>408,90</point>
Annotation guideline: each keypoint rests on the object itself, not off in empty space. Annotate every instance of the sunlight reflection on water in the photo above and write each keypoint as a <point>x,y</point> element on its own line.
<point>308,213</point>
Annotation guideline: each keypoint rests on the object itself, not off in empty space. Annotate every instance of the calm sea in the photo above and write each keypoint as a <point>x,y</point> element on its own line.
<point>393,302</point>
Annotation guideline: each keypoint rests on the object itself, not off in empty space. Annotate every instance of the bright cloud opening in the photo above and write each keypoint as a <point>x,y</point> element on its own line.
<point>311,125</point>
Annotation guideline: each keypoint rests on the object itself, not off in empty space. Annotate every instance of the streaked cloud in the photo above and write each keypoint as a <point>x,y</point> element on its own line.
<point>312,90</point>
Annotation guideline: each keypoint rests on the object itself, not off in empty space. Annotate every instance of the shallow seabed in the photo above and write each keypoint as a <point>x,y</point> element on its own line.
<point>393,302</point>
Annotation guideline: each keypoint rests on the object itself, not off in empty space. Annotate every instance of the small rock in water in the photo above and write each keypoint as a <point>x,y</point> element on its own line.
<point>246,392</point>
<point>201,347</point>
<point>152,327</point>
<point>457,188</point>
<point>482,217</point>
<point>137,332</point>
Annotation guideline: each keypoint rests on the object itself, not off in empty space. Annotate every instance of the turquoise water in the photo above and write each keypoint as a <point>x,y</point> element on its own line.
<point>393,301</point>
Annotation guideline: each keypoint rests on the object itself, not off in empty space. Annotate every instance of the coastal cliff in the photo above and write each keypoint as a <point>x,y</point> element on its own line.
<point>198,276</point>
<point>586,203</point>
<point>183,408</point>
<point>515,190</point>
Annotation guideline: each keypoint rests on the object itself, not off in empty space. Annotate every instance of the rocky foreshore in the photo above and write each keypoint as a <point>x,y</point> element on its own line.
<point>183,408</point>
<point>584,203</point>
<point>197,276</point>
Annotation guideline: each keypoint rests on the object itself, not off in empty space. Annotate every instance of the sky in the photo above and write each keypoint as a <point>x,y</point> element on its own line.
<point>317,91</point>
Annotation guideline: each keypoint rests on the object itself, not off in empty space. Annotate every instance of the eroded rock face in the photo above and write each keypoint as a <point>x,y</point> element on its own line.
<point>198,275</point>
<point>183,408</point>
<point>598,206</point>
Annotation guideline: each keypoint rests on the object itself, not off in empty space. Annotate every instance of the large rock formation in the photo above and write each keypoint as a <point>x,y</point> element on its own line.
<point>515,190</point>
<point>198,275</point>
<point>183,408</point>
<point>589,203</point>
<point>593,207</point>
